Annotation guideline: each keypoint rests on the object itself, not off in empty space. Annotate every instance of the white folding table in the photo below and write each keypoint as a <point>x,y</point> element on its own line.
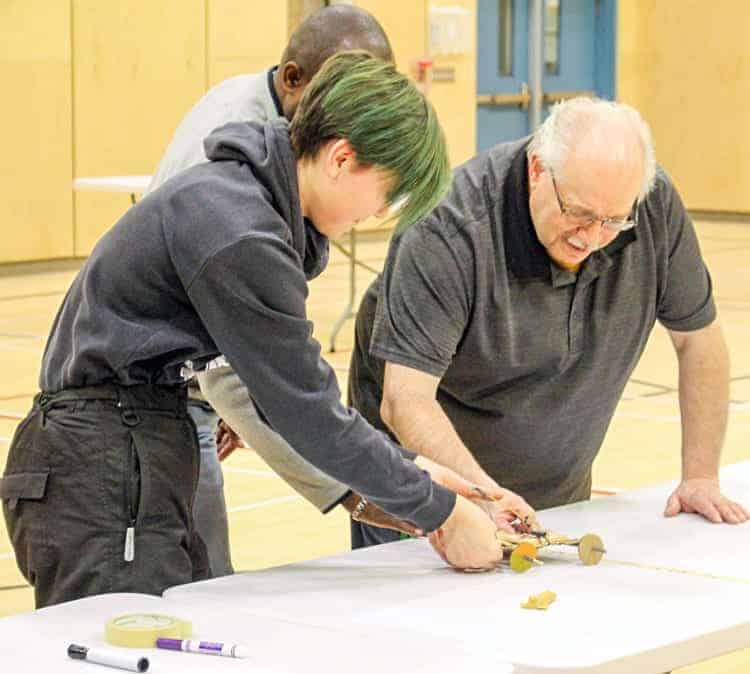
<point>132,185</point>
<point>669,592</point>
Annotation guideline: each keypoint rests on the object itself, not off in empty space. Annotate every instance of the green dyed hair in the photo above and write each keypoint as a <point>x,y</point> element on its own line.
<point>388,122</point>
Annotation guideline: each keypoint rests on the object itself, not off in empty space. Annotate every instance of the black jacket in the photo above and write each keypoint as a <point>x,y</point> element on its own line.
<point>217,261</point>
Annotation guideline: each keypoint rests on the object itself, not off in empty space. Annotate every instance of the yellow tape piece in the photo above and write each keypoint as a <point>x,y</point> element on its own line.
<point>141,630</point>
<point>541,601</point>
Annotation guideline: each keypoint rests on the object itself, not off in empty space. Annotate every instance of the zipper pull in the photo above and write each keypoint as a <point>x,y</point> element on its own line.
<point>129,553</point>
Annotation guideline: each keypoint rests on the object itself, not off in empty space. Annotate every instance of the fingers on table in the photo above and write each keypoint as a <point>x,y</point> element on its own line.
<point>732,512</point>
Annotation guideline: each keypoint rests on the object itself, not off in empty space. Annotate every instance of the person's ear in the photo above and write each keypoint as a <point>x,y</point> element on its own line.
<point>340,157</point>
<point>292,77</point>
<point>536,170</point>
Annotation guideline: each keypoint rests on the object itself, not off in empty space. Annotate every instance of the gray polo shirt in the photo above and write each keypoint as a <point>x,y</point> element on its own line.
<point>532,359</point>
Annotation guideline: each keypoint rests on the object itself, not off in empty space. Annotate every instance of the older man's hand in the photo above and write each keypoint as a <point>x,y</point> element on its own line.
<point>506,508</point>
<point>703,496</point>
<point>509,511</point>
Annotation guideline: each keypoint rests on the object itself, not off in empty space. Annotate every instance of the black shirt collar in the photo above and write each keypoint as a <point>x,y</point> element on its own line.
<point>524,254</point>
<point>272,89</point>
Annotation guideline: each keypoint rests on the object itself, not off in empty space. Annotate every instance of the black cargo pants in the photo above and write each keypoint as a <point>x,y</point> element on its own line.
<point>98,493</point>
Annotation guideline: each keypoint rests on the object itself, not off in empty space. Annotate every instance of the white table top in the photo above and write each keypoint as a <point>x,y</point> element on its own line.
<point>669,592</point>
<point>135,184</point>
<point>635,530</point>
<point>37,642</point>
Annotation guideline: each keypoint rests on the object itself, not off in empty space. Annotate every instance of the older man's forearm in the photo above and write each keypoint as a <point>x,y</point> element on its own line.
<point>421,425</point>
<point>704,399</point>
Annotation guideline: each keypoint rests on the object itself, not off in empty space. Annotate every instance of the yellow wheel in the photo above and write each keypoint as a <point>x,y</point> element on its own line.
<point>590,549</point>
<point>522,558</point>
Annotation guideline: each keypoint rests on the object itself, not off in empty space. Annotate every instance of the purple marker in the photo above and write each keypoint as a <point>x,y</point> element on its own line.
<point>207,647</point>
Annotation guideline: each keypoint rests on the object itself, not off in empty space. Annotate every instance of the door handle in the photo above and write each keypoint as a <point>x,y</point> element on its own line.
<point>550,97</point>
<point>521,99</point>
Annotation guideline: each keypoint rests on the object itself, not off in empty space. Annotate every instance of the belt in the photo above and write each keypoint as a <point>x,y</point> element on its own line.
<point>139,396</point>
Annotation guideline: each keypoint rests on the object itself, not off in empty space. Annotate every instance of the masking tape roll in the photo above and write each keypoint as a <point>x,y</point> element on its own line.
<point>141,630</point>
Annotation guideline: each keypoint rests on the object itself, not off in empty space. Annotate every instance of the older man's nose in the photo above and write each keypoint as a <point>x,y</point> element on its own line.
<point>592,233</point>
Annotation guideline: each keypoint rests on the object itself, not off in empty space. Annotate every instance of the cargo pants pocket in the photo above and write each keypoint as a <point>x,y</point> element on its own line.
<point>23,497</point>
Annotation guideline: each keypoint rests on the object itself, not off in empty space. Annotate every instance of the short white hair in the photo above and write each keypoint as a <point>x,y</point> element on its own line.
<point>593,120</point>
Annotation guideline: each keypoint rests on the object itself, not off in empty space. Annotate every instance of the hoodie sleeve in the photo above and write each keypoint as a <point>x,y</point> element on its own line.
<point>251,297</point>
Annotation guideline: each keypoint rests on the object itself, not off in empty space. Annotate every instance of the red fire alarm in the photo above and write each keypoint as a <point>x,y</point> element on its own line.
<point>423,68</point>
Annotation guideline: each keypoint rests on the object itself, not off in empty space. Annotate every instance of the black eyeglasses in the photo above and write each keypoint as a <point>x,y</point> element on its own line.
<point>583,218</point>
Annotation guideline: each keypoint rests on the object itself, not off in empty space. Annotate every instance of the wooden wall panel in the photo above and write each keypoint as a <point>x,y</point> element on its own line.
<point>634,47</point>
<point>106,100</point>
<point>138,67</point>
<point>36,211</point>
<point>686,66</point>
<point>299,10</point>
<point>405,24</point>
<point>455,102</point>
<point>244,36</point>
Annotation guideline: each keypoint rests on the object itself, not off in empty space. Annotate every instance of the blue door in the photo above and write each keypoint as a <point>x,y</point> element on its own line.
<point>572,53</point>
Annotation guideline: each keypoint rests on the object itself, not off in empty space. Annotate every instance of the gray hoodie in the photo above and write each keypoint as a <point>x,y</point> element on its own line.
<point>217,261</point>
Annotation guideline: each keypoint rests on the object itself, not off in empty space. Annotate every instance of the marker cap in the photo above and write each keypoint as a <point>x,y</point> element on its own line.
<point>77,652</point>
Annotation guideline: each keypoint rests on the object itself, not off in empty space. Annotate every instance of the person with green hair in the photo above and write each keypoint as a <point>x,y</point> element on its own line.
<point>261,97</point>
<point>101,474</point>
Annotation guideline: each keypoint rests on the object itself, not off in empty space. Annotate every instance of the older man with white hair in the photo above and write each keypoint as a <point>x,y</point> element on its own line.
<point>504,328</point>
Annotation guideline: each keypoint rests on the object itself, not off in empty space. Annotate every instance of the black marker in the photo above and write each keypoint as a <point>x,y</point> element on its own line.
<point>109,657</point>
